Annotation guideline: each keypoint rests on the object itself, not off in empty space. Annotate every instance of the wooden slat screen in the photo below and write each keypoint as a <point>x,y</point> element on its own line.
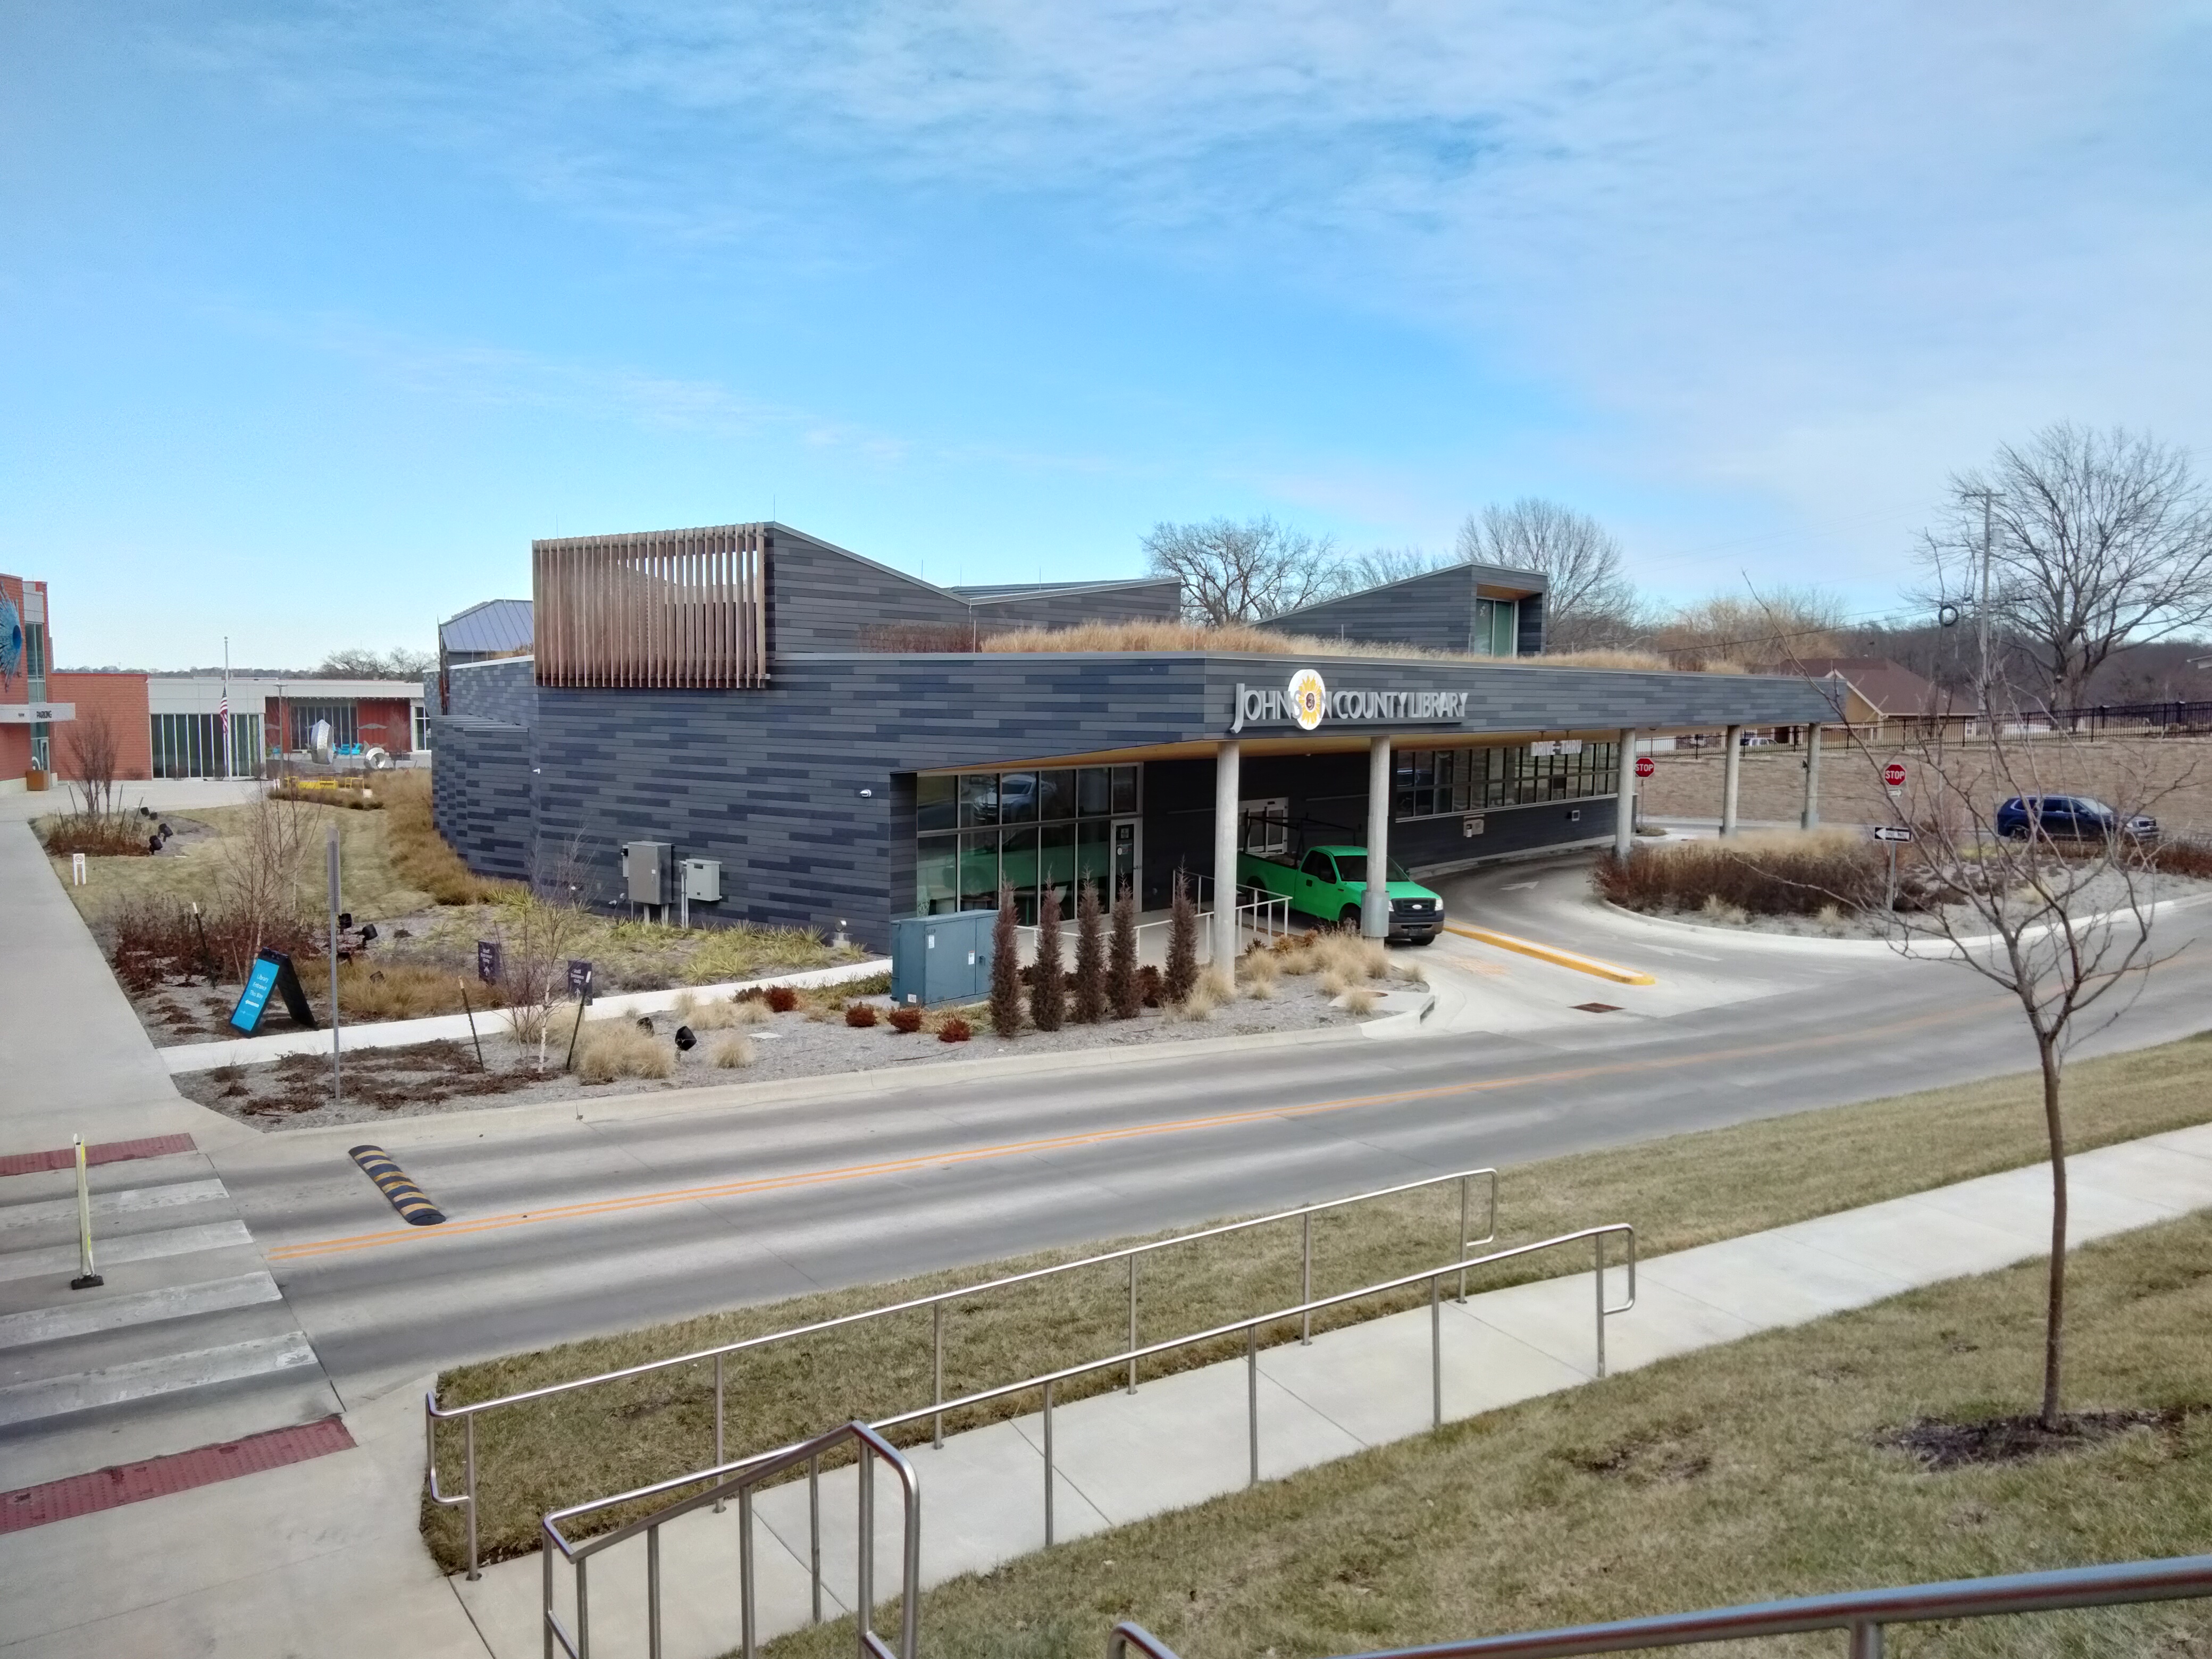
<point>664,609</point>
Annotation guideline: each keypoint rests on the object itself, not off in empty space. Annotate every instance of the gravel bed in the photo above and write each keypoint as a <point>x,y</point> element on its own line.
<point>434,1078</point>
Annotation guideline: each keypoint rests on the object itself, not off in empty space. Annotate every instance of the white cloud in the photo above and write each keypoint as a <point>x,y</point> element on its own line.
<point>1813,252</point>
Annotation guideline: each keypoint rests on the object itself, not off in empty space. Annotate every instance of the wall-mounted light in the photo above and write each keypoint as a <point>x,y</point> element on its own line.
<point>866,793</point>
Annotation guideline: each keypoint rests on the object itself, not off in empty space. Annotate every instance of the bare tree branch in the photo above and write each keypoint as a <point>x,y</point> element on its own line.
<point>1233,573</point>
<point>2057,914</point>
<point>2101,540</point>
<point>1588,600</point>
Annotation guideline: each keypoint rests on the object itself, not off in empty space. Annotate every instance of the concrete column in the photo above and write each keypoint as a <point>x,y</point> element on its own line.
<point>1375,903</point>
<point>1624,824</point>
<point>1811,820</point>
<point>1731,778</point>
<point>1227,783</point>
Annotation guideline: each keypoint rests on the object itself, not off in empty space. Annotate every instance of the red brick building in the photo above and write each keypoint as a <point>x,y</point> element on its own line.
<point>171,726</point>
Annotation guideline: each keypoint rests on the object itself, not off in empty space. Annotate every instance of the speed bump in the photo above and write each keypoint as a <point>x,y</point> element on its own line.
<point>414,1205</point>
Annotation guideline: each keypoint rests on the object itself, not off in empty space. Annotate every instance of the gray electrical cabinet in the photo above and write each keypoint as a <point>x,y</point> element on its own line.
<point>703,880</point>
<point>942,959</point>
<point>646,871</point>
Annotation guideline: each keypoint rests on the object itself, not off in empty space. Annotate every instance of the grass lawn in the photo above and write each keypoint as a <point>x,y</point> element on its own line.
<point>375,884</point>
<point>1754,1470</point>
<point>1680,1191</point>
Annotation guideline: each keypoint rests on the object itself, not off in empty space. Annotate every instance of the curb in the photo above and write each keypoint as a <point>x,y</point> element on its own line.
<point>1945,950</point>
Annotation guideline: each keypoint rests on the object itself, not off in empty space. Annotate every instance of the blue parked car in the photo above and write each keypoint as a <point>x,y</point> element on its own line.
<point>2070,818</point>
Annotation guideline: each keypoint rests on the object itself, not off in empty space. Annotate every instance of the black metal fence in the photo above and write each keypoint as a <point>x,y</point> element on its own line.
<point>2176,716</point>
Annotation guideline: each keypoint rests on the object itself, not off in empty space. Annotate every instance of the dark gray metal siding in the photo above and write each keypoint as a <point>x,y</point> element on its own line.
<point>1529,640</point>
<point>821,598</point>
<point>1434,611</point>
<point>481,795</point>
<point>503,689</point>
<point>769,781</point>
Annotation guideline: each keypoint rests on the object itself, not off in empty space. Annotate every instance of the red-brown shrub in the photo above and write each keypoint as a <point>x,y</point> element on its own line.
<point>955,1030</point>
<point>860,1015</point>
<point>906,1021</point>
<point>781,999</point>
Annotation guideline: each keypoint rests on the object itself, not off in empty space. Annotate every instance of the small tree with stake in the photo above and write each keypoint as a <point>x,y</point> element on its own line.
<point>1047,980</point>
<point>1005,967</point>
<point>1182,977</point>
<point>2057,914</point>
<point>1122,987</point>
<point>1090,958</point>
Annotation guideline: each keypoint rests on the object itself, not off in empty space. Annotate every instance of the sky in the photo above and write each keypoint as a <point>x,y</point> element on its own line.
<point>312,315</point>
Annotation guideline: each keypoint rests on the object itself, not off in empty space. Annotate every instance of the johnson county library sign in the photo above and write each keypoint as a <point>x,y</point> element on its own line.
<point>1306,701</point>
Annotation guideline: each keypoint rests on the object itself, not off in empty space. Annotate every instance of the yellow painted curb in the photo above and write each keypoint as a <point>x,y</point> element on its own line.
<point>1553,954</point>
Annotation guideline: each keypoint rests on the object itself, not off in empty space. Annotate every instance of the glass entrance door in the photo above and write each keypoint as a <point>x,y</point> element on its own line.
<point>1127,860</point>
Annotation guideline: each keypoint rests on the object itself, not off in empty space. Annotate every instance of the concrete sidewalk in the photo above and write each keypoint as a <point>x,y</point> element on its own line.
<point>1181,1440</point>
<point>75,1058</point>
<point>183,1057</point>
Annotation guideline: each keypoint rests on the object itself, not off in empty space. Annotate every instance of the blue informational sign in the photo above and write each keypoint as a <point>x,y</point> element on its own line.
<point>255,997</point>
<point>580,980</point>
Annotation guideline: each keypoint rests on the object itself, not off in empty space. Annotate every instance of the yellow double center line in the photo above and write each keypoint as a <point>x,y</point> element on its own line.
<point>946,1160</point>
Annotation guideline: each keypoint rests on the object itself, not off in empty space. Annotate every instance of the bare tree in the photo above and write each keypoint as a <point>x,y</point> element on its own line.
<point>1391,564</point>
<point>1783,625</point>
<point>536,932</point>
<point>1242,573</point>
<point>2097,540</point>
<point>1588,600</point>
<point>258,880</point>
<point>2055,911</point>
<point>397,664</point>
<point>94,754</point>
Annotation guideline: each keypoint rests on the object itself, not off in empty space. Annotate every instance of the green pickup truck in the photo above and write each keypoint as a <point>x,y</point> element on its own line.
<point>1331,882</point>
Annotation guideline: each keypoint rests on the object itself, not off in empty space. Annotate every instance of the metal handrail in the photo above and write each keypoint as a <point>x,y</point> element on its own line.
<point>466,1499</point>
<point>1249,1327</point>
<point>871,1445</point>
<point>1864,1614</point>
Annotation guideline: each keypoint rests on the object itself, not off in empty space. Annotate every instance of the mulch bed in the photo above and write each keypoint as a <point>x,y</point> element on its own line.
<point>382,1078</point>
<point>1941,1445</point>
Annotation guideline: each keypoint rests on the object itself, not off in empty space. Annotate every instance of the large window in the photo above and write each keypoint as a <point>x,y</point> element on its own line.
<point>191,746</point>
<point>1441,783</point>
<point>1497,628</point>
<point>343,717</point>
<point>1031,831</point>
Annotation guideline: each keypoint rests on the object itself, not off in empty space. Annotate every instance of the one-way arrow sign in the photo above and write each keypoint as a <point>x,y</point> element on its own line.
<point>1891,832</point>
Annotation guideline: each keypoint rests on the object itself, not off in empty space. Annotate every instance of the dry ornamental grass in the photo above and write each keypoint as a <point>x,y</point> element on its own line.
<point>1771,873</point>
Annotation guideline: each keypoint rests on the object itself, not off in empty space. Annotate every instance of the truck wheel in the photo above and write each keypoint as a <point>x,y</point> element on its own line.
<point>1350,918</point>
<point>1424,938</point>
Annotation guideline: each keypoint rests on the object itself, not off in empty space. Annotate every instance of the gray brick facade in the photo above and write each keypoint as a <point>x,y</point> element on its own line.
<point>805,790</point>
<point>1435,611</point>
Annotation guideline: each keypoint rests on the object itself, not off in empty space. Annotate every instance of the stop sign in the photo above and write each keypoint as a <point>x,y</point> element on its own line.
<point>1644,769</point>
<point>1894,775</point>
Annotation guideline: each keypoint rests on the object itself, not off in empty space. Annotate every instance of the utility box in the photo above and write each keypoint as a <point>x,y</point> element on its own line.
<point>942,958</point>
<point>645,870</point>
<point>702,881</point>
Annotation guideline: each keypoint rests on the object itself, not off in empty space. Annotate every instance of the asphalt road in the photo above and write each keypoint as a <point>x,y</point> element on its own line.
<point>564,1225</point>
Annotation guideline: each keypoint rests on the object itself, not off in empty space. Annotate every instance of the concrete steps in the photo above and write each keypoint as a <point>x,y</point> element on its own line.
<point>188,1341</point>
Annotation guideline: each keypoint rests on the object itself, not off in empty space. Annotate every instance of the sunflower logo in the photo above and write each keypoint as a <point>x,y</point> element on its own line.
<point>1309,698</point>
